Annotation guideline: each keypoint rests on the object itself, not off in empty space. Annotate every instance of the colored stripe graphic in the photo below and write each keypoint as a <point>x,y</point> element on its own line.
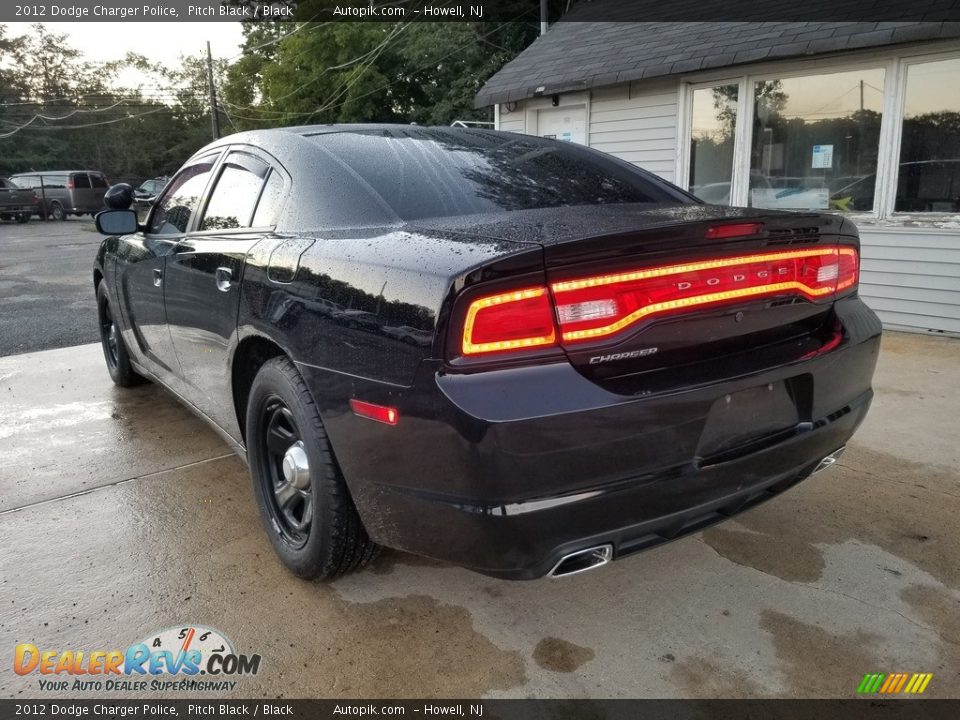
<point>894,683</point>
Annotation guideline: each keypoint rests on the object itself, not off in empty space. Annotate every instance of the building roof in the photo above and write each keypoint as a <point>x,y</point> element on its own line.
<point>582,52</point>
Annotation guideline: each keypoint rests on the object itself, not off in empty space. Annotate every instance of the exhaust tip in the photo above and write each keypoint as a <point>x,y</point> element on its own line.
<point>829,461</point>
<point>582,560</point>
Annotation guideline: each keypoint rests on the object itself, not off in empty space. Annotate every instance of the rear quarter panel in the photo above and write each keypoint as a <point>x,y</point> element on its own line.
<point>367,303</point>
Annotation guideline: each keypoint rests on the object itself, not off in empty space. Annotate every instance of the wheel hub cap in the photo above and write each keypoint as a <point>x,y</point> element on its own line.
<point>296,467</point>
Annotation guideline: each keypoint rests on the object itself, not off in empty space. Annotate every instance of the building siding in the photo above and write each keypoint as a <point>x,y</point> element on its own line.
<point>911,277</point>
<point>636,122</point>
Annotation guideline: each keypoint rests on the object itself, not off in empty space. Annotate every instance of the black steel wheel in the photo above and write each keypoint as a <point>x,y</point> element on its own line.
<point>304,502</point>
<point>114,349</point>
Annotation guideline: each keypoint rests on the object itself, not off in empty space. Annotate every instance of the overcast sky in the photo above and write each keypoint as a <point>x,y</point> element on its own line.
<point>158,41</point>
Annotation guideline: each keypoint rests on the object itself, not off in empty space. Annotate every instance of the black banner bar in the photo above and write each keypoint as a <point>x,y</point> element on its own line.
<point>478,10</point>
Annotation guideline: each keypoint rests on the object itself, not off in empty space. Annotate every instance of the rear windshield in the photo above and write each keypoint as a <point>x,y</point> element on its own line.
<point>433,173</point>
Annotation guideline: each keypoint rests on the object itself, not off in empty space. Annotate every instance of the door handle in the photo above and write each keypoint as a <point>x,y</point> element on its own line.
<point>157,277</point>
<point>224,277</point>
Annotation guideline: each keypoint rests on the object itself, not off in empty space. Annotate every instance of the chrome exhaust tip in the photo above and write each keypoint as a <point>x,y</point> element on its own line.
<point>829,460</point>
<point>582,560</point>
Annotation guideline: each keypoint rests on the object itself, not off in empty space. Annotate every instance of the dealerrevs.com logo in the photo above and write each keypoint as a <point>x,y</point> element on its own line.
<point>189,658</point>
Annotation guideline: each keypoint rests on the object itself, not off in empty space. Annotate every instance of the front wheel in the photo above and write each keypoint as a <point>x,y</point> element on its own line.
<point>114,349</point>
<point>304,502</point>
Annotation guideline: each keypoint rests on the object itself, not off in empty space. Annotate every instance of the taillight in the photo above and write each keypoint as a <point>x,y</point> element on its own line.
<point>601,306</point>
<point>69,183</point>
<point>509,321</point>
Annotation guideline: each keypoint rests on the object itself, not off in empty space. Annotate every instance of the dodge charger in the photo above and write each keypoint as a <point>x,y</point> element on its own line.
<point>511,353</point>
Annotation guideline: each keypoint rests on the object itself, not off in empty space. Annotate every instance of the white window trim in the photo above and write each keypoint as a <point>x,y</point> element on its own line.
<point>895,65</point>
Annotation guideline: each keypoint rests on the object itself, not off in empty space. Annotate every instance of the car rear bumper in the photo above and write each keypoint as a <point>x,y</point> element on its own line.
<point>506,472</point>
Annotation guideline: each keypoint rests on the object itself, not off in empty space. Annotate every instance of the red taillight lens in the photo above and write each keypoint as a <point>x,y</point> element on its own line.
<point>597,307</point>
<point>380,413</point>
<point>509,321</point>
<point>70,184</point>
<point>720,232</point>
<point>600,306</point>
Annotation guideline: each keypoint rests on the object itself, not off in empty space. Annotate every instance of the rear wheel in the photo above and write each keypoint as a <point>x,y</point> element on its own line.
<point>304,502</point>
<point>114,349</point>
<point>57,212</point>
<point>23,218</point>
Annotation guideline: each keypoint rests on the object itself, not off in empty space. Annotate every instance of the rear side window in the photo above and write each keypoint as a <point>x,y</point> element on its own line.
<point>54,181</point>
<point>171,214</point>
<point>81,181</point>
<point>431,173</point>
<point>270,201</point>
<point>234,197</point>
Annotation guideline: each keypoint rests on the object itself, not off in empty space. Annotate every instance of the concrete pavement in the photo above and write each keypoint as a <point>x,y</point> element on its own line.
<point>854,571</point>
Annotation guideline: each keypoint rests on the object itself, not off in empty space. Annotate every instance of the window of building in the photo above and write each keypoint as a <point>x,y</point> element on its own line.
<point>928,177</point>
<point>712,131</point>
<point>814,137</point>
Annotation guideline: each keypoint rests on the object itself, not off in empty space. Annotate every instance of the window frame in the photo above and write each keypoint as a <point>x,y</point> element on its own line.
<point>894,63</point>
<point>272,166</point>
<point>217,155</point>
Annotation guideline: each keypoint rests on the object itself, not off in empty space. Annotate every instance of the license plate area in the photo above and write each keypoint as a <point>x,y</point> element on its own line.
<point>746,417</point>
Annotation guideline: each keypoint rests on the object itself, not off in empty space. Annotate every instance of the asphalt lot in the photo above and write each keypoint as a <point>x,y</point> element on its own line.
<point>121,514</point>
<point>46,285</point>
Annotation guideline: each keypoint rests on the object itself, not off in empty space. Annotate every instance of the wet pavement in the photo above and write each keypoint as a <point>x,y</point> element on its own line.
<point>46,284</point>
<point>123,515</point>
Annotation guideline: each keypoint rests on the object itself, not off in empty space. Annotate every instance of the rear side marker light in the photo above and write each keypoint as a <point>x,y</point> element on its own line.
<point>380,413</point>
<point>721,232</point>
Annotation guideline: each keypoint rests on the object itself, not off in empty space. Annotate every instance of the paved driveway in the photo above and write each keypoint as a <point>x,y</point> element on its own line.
<point>122,515</point>
<point>46,284</point>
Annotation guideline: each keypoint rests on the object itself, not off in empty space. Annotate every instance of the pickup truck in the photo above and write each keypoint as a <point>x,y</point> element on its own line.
<point>16,203</point>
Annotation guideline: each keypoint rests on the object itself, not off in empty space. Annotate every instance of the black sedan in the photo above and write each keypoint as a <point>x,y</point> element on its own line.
<point>601,362</point>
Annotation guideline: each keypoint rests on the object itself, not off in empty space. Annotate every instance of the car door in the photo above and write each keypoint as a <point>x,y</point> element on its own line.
<point>141,265</point>
<point>203,279</point>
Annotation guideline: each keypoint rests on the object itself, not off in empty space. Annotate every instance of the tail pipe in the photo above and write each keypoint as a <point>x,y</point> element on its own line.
<point>829,460</point>
<point>582,560</point>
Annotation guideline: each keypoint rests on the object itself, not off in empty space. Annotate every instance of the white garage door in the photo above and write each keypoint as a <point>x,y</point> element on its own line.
<point>563,123</point>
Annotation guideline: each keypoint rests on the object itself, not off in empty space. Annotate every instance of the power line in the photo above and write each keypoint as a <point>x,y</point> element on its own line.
<point>85,125</point>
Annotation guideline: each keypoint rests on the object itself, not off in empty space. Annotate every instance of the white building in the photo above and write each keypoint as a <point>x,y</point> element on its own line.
<point>861,118</point>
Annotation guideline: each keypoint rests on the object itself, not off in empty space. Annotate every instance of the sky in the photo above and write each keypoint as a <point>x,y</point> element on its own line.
<point>158,41</point>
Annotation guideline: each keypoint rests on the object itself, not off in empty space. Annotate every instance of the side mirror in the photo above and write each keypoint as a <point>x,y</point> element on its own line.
<point>116,222</point>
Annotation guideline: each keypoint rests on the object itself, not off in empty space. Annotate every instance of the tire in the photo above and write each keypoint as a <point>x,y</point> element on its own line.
<point>57,212</point>
<point>307,511</point>
<point>114,349</point>
<point>23,218</point>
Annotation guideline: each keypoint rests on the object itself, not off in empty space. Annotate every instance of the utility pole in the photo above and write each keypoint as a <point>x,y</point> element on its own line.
<point>214,120</point>
<point>543,17</point>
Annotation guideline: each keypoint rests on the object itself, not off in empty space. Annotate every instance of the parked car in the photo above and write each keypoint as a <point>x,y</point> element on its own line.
<point>611,363</point>
<point>150,188</point>
<point>922,186</point>
<point>66,192</point>
<point>16,203</point>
